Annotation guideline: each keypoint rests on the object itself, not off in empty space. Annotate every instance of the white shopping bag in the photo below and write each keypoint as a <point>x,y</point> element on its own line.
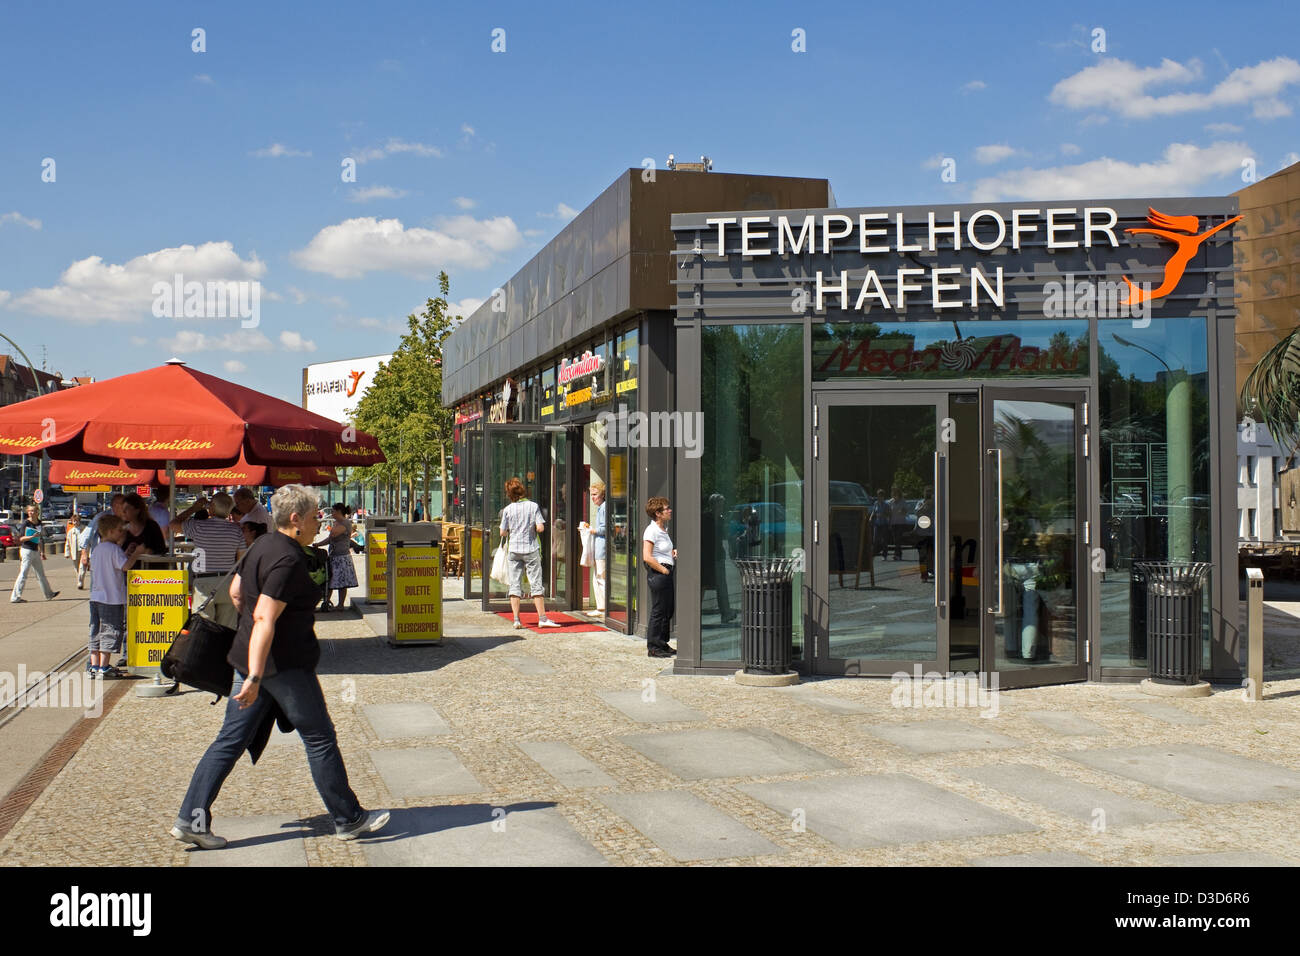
<point>499,566</point>
<point>584,532</point>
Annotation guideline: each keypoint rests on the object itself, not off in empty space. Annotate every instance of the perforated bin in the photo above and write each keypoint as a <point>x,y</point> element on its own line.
<point>1175,619</point>
<point>767,602</point>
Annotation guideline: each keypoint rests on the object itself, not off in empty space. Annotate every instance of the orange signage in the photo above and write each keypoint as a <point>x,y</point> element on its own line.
<point>1181,231</point>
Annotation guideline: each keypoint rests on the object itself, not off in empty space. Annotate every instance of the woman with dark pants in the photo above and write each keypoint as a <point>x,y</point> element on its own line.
<point>274,656</point>
<point>659,556</point>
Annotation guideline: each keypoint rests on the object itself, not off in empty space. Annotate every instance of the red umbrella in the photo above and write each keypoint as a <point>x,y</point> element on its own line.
<point>180,414</point>
<point>93,473</point>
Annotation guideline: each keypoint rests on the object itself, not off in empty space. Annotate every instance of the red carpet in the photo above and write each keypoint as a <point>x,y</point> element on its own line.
<point>572,625</point>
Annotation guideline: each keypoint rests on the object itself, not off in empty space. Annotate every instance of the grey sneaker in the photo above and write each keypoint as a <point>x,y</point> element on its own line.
<point>204,841</point>
<point>18,600</point>
<point>517,625</point>
<point>371,822</point>
<point>547,622</point>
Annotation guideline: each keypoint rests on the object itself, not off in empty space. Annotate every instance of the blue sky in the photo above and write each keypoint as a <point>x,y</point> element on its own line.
<point>469,160</point>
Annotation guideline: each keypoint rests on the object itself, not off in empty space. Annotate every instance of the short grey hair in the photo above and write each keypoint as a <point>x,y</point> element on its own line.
<point>221,504</point>
<point>293,500</point>
<point>245,494</point>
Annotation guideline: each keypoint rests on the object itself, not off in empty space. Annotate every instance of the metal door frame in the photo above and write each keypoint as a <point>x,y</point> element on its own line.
<point>991,536</point>
<point>819,660</point>
<point>491,530</point>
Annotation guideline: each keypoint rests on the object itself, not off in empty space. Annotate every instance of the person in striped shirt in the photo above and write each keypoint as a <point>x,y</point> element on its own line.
<point>216,540</point>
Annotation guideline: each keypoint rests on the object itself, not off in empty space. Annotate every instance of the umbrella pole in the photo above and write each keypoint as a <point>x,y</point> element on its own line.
<point>171,504</point>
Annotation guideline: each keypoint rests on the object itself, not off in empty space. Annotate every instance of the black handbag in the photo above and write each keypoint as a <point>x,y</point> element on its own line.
<point>197,655</point>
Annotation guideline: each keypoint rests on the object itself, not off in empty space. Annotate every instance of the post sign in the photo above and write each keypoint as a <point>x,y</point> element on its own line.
<point>38,496</point>
<point>415,604</point>
<point>377,567</point>
<point>142,490</point>
<point>157,604</point>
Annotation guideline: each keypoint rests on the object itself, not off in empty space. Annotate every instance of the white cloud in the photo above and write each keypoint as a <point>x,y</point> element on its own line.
<point>91,289</point>
<point>1121,87</point>
<point>294,342</point>
<point>301,298</point>
<point>974,86</point>
<point>1290,159</point>
<point>1181,170</point>
<point>354,247</point>
<point>1070,149</point>
<point>465,307</point>
<point>4,296</point>
<point>204,78</point>
<point>1220,129</point>
<point>382,325</point>
<point>395,146</point>
<point>1094,119</point>
<point>366,193</point>
<point>187,340</point>
<point>20,219</point>
<point>562,211</point>
<point>276,150</point>
<point>463,202</point>
<point>987,155</point>
<point>934,162</point>
<point>234,367</point>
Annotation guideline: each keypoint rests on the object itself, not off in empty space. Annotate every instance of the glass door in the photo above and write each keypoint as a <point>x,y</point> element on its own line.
<point>880,504</point>
<point>1036,553</point>
<point>514,452</point>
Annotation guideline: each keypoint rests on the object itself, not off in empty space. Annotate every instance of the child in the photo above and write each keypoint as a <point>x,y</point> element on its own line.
<point>108,595</point>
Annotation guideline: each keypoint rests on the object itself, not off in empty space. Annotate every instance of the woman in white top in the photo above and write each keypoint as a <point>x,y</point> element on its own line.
<point>659,556</point>
<point>521,523</point>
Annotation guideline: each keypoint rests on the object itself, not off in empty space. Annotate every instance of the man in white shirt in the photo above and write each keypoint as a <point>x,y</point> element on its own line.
<point>158,507</point>
<point>250,509</point>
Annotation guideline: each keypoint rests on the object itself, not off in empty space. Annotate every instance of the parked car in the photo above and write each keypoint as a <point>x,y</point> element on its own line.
<point>8,536</point>
<point>54,532</point>
<point>768,520</point>
<point>840,492</point>
<point>87,511</point>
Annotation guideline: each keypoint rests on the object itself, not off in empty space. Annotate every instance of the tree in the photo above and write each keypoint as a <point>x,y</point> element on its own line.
<point>1272,391</point>
<point>403,406</point>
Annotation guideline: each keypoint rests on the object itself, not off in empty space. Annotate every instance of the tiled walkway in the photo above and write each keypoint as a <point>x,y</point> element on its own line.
<point>502,747</point>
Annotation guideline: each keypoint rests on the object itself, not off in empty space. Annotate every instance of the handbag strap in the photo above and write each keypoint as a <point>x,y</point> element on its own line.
<point>224,578</point>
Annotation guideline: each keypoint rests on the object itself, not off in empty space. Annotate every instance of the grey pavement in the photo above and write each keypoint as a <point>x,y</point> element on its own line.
<point>506,748</point>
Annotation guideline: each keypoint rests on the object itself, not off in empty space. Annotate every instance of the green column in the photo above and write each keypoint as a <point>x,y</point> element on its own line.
<point>1178,435</point>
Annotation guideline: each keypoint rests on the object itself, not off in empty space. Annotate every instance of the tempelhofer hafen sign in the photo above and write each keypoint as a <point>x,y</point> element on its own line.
<point>940,287</point>
<point>333,388</point>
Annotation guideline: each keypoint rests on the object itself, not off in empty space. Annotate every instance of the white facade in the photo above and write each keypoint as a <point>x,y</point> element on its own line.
<point>1259,463</point>
<point>333,389</point>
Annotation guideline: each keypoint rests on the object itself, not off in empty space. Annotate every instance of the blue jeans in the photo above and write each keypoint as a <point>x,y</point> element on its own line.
<point>299,695</point>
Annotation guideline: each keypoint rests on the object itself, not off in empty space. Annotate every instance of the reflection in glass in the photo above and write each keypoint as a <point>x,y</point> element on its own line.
<point>1036,478</point>
<point>518,455</point>
<point>880,532</point>
<point>751,469</point>
<point>1155,467</point>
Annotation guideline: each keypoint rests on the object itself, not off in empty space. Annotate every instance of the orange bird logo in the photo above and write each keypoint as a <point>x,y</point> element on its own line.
<point>356,380</point>
<point>1181,231</point>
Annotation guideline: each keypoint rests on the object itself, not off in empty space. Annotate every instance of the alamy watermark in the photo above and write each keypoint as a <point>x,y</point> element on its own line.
<point>655,430</point>
<point>39,689</point>
<point>1085,299</point>
<point>932,689</point>
<point>214,299</point>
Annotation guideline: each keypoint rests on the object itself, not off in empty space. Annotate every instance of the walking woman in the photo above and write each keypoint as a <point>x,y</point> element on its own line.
<point>274,656</point>
<point>343,574</point>
<point>29,550</point>
<point>659,556</point>
<point>521,523</point>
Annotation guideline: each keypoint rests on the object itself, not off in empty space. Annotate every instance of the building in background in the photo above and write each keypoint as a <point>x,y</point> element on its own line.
<point>19,474</point>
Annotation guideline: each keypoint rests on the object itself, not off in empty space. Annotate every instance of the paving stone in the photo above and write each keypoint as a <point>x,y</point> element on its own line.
<point>1167,712</point>
<point>882,810</point>
<point>748,752</point>
<point>1052,858</point>
<point>663,709</point>
<point>942,736</point>
<point>565,764</point>
<point>423,772</point>
<point>1070,797</point>
<point>405,719</point>
<point>526,664</point>
<point>1201,773</point>
<point>686,827</point>
<point>1066,722</point>
<point>830,703</point>
<point>529,834</point>
<point>261,841</point>
<point>1226,858</point>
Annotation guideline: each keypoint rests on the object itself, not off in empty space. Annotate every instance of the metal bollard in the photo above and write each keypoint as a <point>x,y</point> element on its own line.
<point>1255,634</point>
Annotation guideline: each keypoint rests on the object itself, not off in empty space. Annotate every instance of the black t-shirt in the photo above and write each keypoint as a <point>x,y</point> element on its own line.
<point>151,537</point>
<point>275,565</point>
<point>28,542</point>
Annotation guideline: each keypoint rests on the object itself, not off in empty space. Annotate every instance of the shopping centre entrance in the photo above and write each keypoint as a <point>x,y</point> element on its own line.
<point>950,532</point>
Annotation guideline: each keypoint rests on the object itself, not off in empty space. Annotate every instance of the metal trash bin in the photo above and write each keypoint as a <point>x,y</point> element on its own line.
<point>767,602</point>
<point>1175,619</point>
<point>1137,615</point>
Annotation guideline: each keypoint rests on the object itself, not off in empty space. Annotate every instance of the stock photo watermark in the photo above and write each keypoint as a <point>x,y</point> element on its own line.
<point>213,299</point>
<point>975,690</point>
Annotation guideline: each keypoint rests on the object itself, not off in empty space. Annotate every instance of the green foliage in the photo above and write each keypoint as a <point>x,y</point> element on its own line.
<point>1272,392</point>
<point>403,406</point>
